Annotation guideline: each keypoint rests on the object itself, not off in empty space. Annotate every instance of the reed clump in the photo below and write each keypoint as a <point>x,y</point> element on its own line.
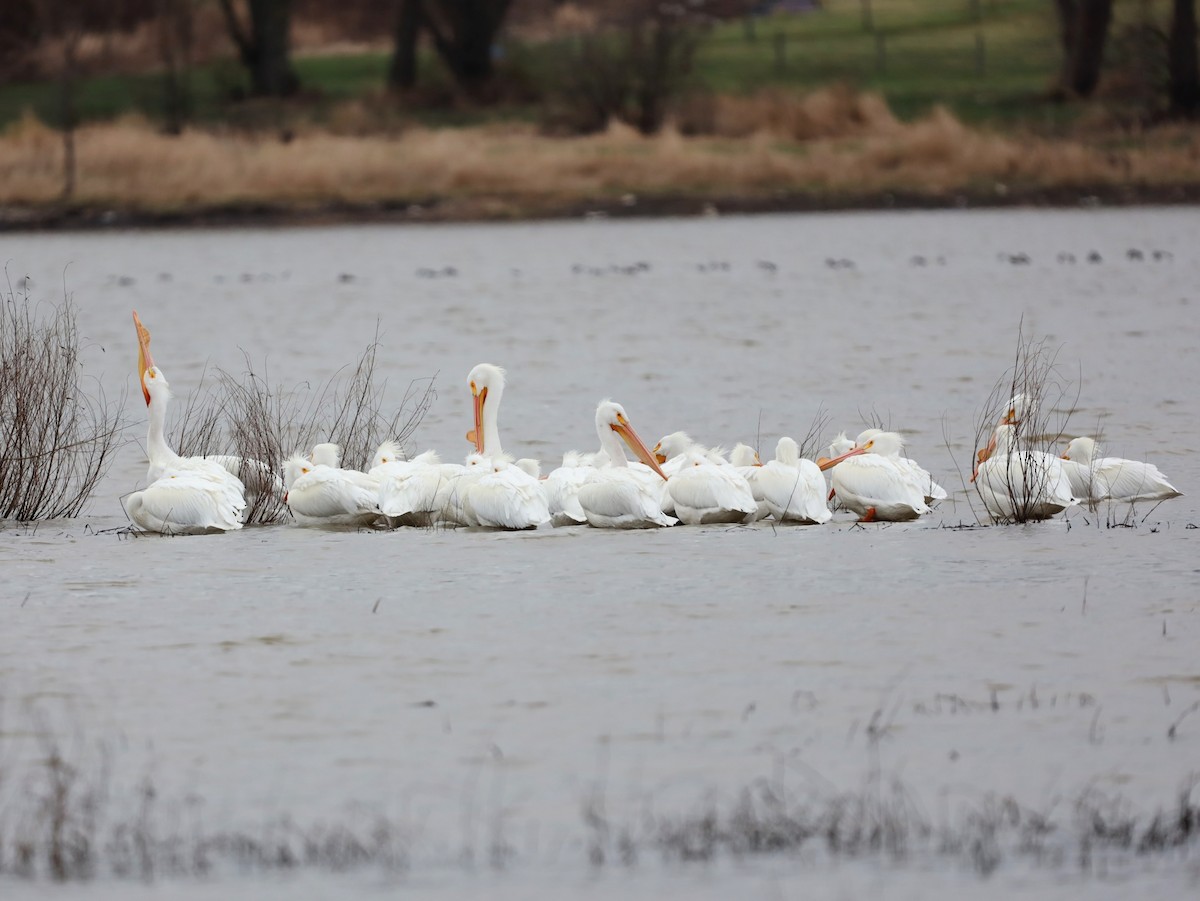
<point>249,416</point>
<point>1033,402</point>
<point>59,430</point>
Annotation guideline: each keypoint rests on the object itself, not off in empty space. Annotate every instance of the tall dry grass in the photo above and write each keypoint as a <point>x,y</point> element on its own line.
<point>836,143</point>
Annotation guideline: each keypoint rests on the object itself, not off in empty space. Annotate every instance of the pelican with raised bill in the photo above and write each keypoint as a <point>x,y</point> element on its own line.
<point>870,482</point>
<point>618,496</point>
<point>186,495</point>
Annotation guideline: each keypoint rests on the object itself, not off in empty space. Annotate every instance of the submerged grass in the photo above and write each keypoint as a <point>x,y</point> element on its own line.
<point>68,814</point>
<point>833,144</point>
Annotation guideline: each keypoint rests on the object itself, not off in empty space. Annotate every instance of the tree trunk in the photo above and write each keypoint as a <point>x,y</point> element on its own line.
<point>1184,73</point>
<point>263,45</point>
<point>1083,32</point>
<point>402,73</point>
<point>464,32</point>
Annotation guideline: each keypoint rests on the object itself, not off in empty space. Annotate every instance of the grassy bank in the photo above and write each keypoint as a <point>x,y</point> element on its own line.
<point>834,149</point>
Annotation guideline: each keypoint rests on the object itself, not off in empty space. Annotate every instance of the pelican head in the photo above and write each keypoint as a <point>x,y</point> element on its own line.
<point>387,452</point>
<point>886,444</point>
<point>787,451</point>
<point>484,380</point>
<point>1081,450</point>
<point>294,467</point>
<point>672,446</point>
<point>1019,408</point>
<point>611,416</point>
<point>744,455</point>
<point>327,454</point>
<point>840,445</point>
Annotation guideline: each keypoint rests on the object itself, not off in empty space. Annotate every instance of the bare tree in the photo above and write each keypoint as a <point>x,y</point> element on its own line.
<point>263,44</point>
<point>464,34</point>
<point>402,72</point>
<point>175,27</point>
<point>1183,85</point>
<point>1083,32</point>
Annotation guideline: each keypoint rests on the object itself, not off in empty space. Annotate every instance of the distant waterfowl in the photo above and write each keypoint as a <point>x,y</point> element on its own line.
<point>920,476</point>
<point>505,496</point>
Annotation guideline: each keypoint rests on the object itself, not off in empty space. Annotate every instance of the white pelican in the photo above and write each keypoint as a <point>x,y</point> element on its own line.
<point>617,496</point>
<point>487,388</point>
<point>1113,478</point>
<point>186,503</point>
<point>793,487</point>
<point>920,476</point>
<point>330,454</point>
<point>870,482</point>
<point>840,445</point>
<point>745,460</point>
<point>505,496</point>
<point>561,488</point>
<point>320,495</point>
<point>1021,484</point>
<point>417,492</point>
<point>157,393</point>
<point>705,493</point>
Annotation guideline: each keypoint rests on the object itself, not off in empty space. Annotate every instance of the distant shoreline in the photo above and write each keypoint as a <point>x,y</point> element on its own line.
<point>484,209</point>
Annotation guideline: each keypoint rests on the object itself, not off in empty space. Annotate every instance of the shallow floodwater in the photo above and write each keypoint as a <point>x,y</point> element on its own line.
<point>545,714</point>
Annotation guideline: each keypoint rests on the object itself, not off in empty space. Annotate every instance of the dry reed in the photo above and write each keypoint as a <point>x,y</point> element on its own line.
<point>58,437</point>
<point>251,417</point>
<point>1037,400</point>
<point>833,143</point>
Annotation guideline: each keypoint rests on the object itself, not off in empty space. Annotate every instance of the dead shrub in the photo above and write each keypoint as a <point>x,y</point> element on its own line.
<point>60,432</point>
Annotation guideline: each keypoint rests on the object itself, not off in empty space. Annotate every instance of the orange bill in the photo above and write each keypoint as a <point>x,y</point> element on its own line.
<point>145,360</point>
<point>476,434</point>
<point>631,438</point>
<point>829,464</point>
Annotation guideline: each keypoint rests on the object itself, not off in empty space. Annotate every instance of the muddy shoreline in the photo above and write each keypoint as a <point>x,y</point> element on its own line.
<point>493,208</point>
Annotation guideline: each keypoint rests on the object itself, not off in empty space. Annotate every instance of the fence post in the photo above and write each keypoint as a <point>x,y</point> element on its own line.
<point>880,53</point>
<point>868,20</point>
<point>748,28</point>
<point>780,43</point>
<point>980,55</point>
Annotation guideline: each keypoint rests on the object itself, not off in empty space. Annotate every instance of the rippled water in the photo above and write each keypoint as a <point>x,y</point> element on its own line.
<point>478,691</point>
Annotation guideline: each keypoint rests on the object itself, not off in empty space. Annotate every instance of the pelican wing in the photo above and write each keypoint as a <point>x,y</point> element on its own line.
<point>183,503</point>
<point>1131,480</point>
<point>326,492</point>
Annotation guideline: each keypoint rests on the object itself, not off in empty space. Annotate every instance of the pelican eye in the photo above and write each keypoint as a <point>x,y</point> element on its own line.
<point>868,445</point>
<point>473,388</point>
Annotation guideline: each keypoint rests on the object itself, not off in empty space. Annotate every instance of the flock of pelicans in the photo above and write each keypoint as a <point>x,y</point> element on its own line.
<point>677,481</point>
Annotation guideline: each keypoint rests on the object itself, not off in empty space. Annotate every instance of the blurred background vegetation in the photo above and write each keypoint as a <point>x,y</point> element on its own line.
<point>572,65</point>
<point>173,105</point>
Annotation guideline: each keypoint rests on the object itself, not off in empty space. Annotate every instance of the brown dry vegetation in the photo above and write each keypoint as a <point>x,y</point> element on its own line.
<point>833,143</point>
